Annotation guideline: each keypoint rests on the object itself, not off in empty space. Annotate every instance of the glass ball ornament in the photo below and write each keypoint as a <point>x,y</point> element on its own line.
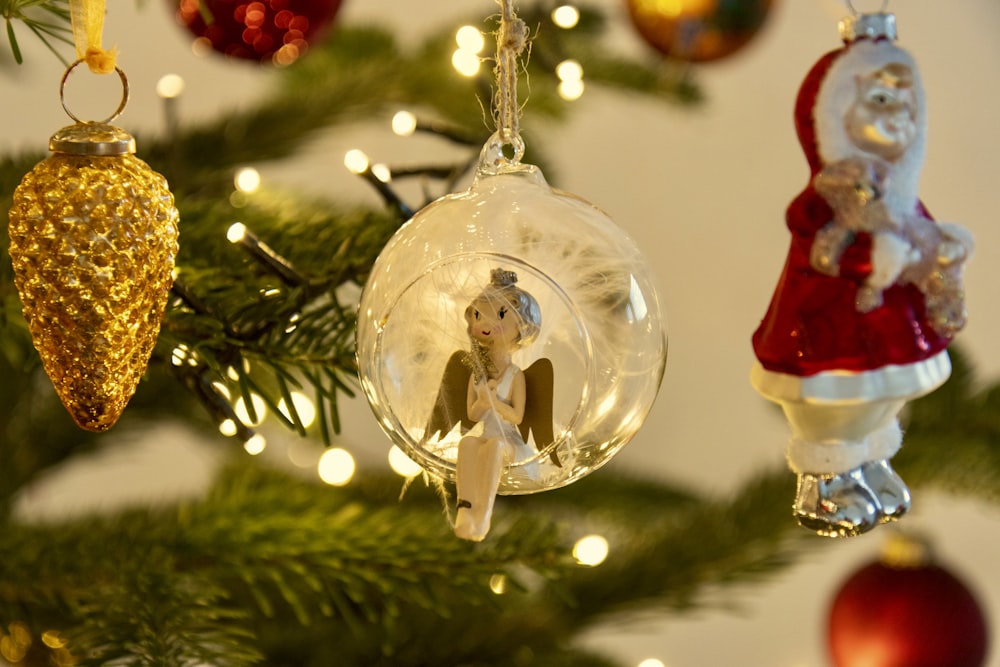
<point>698,30</point>
<point>269,31</point>
<point>601,324</point>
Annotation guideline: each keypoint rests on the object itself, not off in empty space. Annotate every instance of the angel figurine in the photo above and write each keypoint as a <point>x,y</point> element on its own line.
<point>497,404</point>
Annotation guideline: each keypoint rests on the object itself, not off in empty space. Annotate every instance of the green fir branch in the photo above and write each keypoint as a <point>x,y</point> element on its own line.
<point>48,20</point>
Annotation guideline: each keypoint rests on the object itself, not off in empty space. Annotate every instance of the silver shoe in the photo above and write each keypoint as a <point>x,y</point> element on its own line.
<point>889,488</point>
<point>836,505</point>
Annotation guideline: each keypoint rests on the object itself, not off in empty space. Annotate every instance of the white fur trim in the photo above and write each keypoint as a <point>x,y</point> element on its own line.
<point>822,458</point>
<point>837,92</point>
<point>885,442</point>
<point>845,387</point>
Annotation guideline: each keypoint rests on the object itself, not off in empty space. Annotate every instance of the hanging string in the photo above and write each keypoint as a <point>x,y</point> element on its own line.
<point>88,23</point>
<point>511,40</point>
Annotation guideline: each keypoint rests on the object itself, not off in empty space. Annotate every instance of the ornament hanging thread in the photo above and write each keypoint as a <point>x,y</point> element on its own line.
<point>509,337</point>
<point>93,238</point>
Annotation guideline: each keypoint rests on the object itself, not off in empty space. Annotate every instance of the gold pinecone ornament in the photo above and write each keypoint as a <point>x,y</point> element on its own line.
<point>93,238</point>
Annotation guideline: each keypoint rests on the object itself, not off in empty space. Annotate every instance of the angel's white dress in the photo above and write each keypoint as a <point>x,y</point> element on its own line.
<point>495,426</point>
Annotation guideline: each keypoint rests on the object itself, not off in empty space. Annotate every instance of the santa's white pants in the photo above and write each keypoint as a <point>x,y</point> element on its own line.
<point>840,420</point>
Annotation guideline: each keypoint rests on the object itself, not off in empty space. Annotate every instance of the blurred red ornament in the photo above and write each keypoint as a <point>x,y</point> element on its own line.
<point>698,30</point>
<point>270,31</point>
<point>904,610</point>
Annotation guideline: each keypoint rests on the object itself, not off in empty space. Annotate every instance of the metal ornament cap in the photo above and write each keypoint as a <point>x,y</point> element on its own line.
<point>92,139</point>
<point>880,25</point>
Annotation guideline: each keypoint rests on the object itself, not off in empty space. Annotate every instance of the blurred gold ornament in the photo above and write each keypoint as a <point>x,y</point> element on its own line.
<point>93,237</point>
<point>698,31</point>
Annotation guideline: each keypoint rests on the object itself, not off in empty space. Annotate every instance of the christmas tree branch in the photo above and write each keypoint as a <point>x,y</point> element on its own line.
<point>307,565</point>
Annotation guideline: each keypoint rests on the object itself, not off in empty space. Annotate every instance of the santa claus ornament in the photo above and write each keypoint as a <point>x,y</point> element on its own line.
<point>509,337</point>
<point>871,292</point>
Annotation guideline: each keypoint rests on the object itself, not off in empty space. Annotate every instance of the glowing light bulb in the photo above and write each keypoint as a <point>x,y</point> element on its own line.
<point>236,232</point>
<point>402,464</point>
<point>651,662</point>
<point>255,444</point>
<point>247,180</point>
<point>259,408</point>
<point>570,74</point>
<point>566,16</point>
<point>465,62</point>
<point>382,172</point>
<point>498,583</point>
<point>470,38</point>
<point>170,86</point>
<point>404,123</point>
<point>571,90</point>
<point>590,550</point>
<point>356,161</point>
<point>336,466</point>
<point>569,70</point>
<point>227,427</point>
<point>304,407</point>
<point>179,355</point>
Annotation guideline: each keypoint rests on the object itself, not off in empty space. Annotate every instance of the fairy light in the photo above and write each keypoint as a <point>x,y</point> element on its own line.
<point>303,453</point>
<point>569,70</point>
<point>566,16</point>
<point>356,161</point>
<point>590,550</point>
<point>247,180</point>
<point>255,444</point>
<point>470,38</point>
<point>303,406</point>
<point>243,413</point>
<point>651,662</point>
<point>238,234</point>
<point>498,584</point>
<point>382,172</point>
<point>336,466</point>
<point>404,123</point>
<point>227,427</point>
<point>402,464</point>
<point>570,74</point>
<point>466,58</point>
<point>378,176</point>
<point>170,86</point>
<point>179,355</point>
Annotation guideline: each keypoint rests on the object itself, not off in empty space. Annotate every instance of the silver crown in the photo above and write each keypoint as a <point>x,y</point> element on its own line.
<point>868,26</point>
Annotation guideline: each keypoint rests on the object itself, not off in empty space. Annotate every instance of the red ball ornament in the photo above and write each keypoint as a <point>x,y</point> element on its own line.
<point>269,31</point>
<point>904,610</point>
<point>698,30</point>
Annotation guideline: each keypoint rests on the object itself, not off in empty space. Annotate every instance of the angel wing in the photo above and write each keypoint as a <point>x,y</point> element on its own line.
<point>450,405</point>
<point>539,380</point>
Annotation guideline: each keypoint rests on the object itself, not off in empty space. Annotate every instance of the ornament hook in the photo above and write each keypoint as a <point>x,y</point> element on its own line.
<point>118,111</point>
<point>855,12</point>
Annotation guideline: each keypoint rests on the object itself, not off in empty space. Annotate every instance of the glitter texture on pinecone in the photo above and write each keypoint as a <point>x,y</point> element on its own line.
<point>93,237</point>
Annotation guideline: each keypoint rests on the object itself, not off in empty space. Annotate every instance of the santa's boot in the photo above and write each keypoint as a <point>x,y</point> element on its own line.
<point>833,497</point>
<point>835,504</point>
<point>890,489</point>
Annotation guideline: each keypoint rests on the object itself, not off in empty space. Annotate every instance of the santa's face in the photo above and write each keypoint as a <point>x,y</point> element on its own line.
<point>882,120</point>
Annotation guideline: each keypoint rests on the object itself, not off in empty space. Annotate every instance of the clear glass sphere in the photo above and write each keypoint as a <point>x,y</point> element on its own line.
<point>601,324</point>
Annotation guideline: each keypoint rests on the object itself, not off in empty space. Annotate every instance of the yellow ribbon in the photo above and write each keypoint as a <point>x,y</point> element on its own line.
<point>88,24</point>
